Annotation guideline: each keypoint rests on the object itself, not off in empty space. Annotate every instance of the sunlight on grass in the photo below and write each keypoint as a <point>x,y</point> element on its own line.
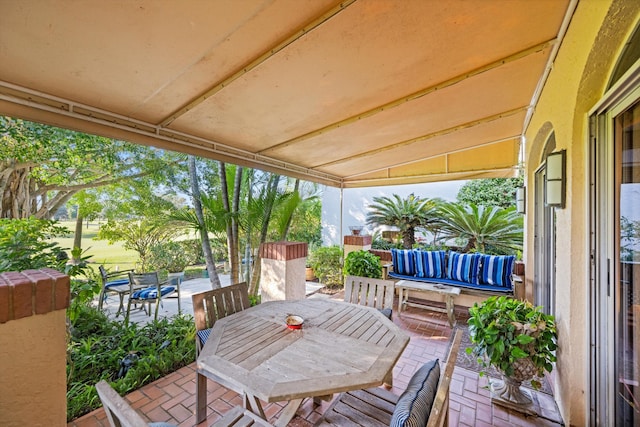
<point>101,252</point>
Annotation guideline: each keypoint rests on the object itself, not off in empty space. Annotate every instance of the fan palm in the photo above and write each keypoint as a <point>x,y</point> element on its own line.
<point>482,226</point>
<point>405,214</point>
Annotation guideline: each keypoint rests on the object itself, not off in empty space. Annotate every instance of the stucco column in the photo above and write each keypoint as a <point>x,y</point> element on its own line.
<point>282,276</point>
<point>356,243</point>
<point>33,348</point>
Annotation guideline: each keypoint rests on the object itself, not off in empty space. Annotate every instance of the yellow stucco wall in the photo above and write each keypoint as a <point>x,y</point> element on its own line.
<point>32,371</point>
<point>577,81</point>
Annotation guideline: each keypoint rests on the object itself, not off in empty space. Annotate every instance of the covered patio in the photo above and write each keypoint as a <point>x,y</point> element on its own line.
<point>172,398</point>
<point>361,93</point>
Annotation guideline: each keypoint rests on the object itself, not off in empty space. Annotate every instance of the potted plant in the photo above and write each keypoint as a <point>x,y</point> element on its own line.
<point>517,339</point>
<point>362,263</point>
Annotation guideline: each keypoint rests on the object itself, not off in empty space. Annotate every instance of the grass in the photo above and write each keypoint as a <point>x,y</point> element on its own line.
<point>101,252</point>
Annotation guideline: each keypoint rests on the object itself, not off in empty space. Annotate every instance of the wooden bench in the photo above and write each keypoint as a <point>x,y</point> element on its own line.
<point>374,407</point>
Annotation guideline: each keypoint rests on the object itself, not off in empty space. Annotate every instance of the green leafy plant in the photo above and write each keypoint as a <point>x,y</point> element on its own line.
<point>98,346</point>
<point>362,263</point>
<point>171,256</point>
<point>327,265</point>
<point>504,330</point>
<point>25,244</point>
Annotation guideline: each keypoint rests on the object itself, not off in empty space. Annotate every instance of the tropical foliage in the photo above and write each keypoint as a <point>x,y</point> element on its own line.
<point>43,167</point>
<point>486,229</point>
<point>405,214</point>
<point>26,244</point>
<point>127,355</point>
<point>490,192</point>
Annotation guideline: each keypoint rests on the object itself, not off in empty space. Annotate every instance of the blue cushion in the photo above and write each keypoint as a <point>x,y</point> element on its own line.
<point>152,293</point>
<point>430,263</point>
<point>414,405</point>
<point>403,261</point>
<point>203,335</point>
<point>463,267</point>
<point>387,312</point>
<point>118,282</point>
<point>497,269</point>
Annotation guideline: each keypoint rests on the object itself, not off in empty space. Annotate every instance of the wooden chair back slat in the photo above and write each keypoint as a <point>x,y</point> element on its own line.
<point>377,293</point>
<point>210,306</point>
<point>439,414</point>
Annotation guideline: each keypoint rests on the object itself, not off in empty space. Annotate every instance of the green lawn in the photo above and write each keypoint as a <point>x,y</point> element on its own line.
<point>101,252</point>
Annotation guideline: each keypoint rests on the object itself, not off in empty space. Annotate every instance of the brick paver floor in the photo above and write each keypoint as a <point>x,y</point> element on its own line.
<point>172,398</point>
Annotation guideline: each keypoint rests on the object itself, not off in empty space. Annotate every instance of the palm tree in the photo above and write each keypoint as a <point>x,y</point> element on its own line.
<point>482,226</point>
<point>406,214</point>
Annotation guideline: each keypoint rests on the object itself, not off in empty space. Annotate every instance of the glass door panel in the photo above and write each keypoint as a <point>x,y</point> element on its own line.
<point>627,292</point>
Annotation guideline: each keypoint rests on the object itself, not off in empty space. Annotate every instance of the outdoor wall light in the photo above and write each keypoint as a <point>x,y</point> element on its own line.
<point>555,180</point>
<point>520,200</point>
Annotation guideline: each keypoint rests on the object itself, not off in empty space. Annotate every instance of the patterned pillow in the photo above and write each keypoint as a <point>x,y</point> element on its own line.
<point>497,270</point>
<point>430,263</point>
<point>463,267</point>
<point>151,293</point>
<point>203,335</point>
<point>403,261</point>
<point>414,405</point>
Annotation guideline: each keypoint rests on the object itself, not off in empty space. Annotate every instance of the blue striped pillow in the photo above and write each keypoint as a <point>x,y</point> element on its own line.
<point>414,405</point>
<point>403,262</point>
<point>463,267</point>
<point>497,269</point>
<point>152,293</point>
<point>430,264</point>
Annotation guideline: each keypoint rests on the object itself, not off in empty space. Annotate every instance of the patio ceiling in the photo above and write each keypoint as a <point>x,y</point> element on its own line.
<point>349,94</point>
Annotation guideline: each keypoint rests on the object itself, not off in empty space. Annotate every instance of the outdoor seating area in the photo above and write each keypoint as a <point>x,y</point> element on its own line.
<point>173,399</point>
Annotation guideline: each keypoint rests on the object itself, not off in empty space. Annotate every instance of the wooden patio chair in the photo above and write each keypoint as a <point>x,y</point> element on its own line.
<point>422,402</point>
<point>210,306</point>
<point>376,293</point>
<point>116,282</point>
<point>121,414</point>
<point>147,288</point>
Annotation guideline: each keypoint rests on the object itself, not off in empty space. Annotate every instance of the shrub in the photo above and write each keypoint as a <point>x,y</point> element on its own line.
<point>364,264</point>
<point>97,346</point>
<point>327,265</point>
<point>172,256</point>
<point>25,244</point>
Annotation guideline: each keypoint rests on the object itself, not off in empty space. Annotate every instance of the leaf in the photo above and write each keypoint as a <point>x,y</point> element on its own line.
<point>518,353</point>
<point>524,339</point>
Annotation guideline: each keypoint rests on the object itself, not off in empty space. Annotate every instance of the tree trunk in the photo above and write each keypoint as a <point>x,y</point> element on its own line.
<point>247,250</point>
<point>231,243</point>
<point>285,232</point>
<point>77,237</point>
<point>257,266</point>
<point>235,206</point>
<point>204,235</point>
<point>408,238</point>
